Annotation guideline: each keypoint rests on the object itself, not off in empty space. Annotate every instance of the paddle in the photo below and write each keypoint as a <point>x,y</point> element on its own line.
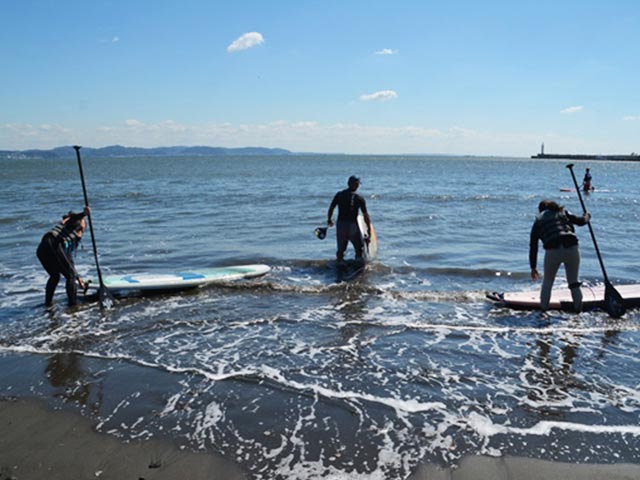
<point>104,295</point>
<point>321,232</point>
<point>613,301</point>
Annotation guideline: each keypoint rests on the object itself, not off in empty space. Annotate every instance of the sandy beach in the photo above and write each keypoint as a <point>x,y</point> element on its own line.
<point>43,438</point>
<point>38,443</point>
<point>518,468</point>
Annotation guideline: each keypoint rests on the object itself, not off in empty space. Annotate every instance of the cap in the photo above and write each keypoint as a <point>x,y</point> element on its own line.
<point>353,179</point>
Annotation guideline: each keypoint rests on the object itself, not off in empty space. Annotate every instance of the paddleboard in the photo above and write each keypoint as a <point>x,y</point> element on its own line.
<point>584,191</point>
<point>593,297</point>
<point>141,282</point>
<point>371,248</point>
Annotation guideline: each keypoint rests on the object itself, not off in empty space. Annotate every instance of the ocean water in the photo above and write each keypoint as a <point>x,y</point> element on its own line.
<point>297,375</point>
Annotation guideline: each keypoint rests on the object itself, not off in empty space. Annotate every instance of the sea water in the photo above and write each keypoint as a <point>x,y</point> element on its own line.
<point>296,374</point>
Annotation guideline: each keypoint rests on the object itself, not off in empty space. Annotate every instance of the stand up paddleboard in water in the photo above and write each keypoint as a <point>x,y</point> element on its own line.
<point>145,282</point>
<point>593,297</point>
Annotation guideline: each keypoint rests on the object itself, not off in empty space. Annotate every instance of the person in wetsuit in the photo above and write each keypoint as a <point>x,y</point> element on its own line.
<point>586,181</point>
<point>55,253</point>
<point>554,227</point>
<point>349,204</point>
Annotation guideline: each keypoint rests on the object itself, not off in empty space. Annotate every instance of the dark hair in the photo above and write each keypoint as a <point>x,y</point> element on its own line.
<point>73,219</point>
<point>549,205</point>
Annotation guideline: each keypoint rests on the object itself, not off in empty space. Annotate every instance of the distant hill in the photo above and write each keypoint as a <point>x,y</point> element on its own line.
<point>120,151</point>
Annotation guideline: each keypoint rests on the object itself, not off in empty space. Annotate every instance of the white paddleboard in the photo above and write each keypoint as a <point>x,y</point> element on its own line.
<point>180,280</point>
<point>593,297</point>
<point>370,249</point>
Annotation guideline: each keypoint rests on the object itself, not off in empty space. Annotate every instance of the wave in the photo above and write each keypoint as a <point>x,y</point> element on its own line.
<point>298,266</point>
<point>10,220</point>
<point>487,428</point>
<point>474,272</point>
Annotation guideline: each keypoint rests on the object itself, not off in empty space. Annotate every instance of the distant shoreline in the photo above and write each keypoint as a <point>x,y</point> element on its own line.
<point>632,157</point>
<point>118,151</point>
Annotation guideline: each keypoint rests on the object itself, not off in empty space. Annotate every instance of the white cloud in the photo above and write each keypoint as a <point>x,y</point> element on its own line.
<point>386,51</point>
<point>302,135</point>
<point>17,136</point>
<point>632,118</point>
<point>246,41</point>
<point>381,96</point>
<point>572,109</point>
<point>115,39</point>
<point>305,124</point>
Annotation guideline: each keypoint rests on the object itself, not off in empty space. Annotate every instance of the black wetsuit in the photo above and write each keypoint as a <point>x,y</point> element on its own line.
<point>55,253</point>
<point>349,203</point>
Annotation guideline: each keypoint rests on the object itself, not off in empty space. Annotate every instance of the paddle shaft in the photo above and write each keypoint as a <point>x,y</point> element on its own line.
<point>86,203</point>
<point>593,236</point>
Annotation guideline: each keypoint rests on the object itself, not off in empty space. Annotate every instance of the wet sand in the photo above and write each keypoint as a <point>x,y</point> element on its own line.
<point>38,443</point>
<point>518,468</point>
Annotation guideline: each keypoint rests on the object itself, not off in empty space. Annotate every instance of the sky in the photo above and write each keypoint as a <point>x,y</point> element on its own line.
<point>458,77</point>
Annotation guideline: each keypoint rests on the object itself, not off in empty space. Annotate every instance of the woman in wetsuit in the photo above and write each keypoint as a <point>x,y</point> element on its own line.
<point>55,253</point>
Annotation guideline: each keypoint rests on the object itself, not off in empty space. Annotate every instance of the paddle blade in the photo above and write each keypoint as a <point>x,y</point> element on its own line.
<point>613,301</point>
<point>105,298</point>
<point>321,232</point>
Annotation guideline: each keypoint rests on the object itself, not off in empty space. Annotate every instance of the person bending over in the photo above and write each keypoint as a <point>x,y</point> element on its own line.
<point>56,251</point>
<point>554,227</point>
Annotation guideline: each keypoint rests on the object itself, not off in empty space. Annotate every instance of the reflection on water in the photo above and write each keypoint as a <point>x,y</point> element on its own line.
<point>65,371</point>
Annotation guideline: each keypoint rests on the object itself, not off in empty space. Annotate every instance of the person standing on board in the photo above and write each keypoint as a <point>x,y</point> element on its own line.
<point>349,204</point>
<point>554,227</point>
<point>586,181</point>
<point>55,253</point>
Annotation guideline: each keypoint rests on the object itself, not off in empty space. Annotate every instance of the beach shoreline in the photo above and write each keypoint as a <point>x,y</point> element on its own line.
<point>39,443</point>
<point>54,428</point>
<point>521,468</point>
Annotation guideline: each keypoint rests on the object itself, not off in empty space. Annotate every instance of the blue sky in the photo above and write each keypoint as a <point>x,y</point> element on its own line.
<point>456,77</point>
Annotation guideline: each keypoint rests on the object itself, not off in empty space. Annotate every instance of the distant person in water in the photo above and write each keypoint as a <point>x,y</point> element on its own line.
<point>349,204</point>
<point>554,226</point>
<point>56,251</point>
<point>586,181</point>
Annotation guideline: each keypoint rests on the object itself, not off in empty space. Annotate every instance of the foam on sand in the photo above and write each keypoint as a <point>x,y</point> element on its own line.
<point>40,443</point>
